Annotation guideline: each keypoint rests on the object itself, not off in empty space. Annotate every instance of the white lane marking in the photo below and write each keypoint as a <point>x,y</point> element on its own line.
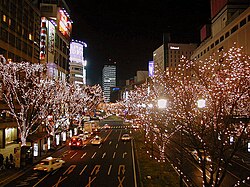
<point>83,170</point>
<point>110,166</point>
<point>107,136</point>
<point>100,146</point>
<point>110,142</point>
<point>70,169</point>
<point>114,154</point>
<point>93,155</point>
<point>120,135</point>
<point>116,146</point>
<point>73,155</point>
<point>124,154</point>
<point>41,180</point>
<point>103,155</point>
<point>83,155</point>
<point>133,159</point>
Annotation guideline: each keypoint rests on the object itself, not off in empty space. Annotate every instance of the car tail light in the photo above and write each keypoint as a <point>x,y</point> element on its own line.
<point>78,143</point>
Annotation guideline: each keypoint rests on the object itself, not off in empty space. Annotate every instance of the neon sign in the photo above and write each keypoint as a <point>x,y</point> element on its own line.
<point>64,24</point>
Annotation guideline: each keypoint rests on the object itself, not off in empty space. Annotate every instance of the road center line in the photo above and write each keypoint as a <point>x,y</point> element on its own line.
<point>114,154</point>
<point>116,146</point>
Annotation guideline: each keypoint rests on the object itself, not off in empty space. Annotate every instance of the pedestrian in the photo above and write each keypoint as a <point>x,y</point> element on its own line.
<point>1,161</point>
<point>7,164</point>
<point>11,161</point>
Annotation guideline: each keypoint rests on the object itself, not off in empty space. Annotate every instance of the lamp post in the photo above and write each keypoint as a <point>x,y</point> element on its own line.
<point>162,103</point>
<point>201,103</point>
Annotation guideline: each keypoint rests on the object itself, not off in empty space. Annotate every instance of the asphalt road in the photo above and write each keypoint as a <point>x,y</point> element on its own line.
<point>110,164</point>
<point>191,169</point>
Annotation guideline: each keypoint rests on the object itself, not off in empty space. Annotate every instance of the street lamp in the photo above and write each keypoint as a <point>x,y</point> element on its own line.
<point>201,103</point>
<point>162,103</point>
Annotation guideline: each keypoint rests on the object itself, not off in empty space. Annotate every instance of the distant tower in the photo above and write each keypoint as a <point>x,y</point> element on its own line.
<point>108,80</point>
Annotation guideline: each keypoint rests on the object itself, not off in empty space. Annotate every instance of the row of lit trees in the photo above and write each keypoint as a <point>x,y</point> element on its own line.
<point>222,84</point>
<point>32,97</point>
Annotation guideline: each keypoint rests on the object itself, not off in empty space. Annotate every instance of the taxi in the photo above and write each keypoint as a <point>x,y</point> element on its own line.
<point>49,164</point>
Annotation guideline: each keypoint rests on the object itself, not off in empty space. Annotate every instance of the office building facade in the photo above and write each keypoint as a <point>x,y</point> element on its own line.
<point>56,27</point>
<point>108,80</point>
<point>78,62</point>
<point>19,31</point>
<point>172,55</point>
<point>230,26</point>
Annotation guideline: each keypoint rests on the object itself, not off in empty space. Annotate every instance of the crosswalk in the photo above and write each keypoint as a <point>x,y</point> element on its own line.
<point>122,127</point>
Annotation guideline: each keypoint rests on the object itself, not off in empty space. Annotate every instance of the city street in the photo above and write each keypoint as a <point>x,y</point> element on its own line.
<point>110,164</point>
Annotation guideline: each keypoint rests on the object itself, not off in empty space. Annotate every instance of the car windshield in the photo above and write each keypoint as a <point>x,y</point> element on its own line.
<point>44,162</point>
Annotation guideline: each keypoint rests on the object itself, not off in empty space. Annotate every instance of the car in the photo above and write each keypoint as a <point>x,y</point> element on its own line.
<point>49,164</point>
<point>97,140</point>
<point>196,156</point>
<point>87,134</point>
<point>126,137</point>
<point>76,142</point>
<point>83,137</point>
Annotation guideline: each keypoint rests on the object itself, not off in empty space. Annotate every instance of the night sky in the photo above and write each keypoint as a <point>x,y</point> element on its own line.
<point>128,31</point>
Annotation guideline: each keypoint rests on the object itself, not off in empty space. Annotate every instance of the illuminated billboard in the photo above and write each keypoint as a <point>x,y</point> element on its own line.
<point>43,38</point>
<point>64,23</point>
<point>76,52</point>
<point>151,68</point>
<point>51,35</point>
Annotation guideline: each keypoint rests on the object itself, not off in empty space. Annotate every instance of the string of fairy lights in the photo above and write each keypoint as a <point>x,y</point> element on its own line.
<point>222,83</point>
<point>34,98</point>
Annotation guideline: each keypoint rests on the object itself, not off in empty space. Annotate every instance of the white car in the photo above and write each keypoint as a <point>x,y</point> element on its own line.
<point>49,164</point>
<point>126,137</point>
<point>97,140</point>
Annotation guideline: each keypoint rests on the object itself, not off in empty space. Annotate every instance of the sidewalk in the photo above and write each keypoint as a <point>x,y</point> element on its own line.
<point>7,175</point>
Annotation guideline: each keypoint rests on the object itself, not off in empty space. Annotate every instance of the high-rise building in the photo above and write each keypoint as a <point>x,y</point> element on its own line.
<point>77,62</point>
<point>19,31</point>
<point>230,25</point>
<point>108,80</point>
<point>173,53</point>
<point>55,37</point>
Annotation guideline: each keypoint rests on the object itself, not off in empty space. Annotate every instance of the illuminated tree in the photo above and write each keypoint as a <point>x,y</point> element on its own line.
<point>218,130</point>
<point>24,90</point>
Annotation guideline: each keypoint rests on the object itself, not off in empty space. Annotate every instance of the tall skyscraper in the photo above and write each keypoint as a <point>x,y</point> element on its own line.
<point>108,80</point>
